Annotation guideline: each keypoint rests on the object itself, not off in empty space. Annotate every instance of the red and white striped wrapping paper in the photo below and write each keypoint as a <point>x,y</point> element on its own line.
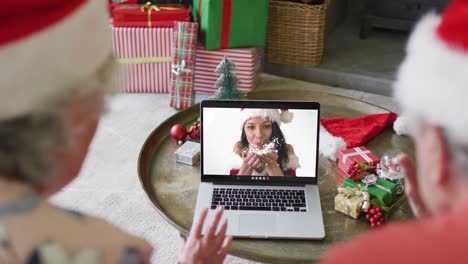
<point>145,56</point>
<point>248,67</point>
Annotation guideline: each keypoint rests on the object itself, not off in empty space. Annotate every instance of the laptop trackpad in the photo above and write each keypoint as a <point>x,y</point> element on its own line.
<point>257,224</point>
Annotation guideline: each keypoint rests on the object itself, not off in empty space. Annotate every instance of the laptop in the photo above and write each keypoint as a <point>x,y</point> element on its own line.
<point>259,160</point>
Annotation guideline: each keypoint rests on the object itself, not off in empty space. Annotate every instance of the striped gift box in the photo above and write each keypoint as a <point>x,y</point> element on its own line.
<point>145,55</point>
<point>185,45</point>
<point>247,61</point>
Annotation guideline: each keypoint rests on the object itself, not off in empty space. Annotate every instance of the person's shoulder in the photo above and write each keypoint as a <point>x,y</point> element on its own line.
<point>48,227</point>
<point>396,242</point>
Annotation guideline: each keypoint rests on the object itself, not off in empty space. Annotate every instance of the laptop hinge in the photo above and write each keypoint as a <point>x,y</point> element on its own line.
<point>262,183</point>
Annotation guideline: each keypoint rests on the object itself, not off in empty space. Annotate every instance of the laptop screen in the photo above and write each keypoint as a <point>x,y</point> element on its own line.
<point>260,141</point>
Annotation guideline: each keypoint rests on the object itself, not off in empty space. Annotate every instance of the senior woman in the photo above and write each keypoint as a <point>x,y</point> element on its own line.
<point>56,66</point>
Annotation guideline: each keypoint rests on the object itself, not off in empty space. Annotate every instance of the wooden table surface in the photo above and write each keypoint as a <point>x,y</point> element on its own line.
<point>172,187</point>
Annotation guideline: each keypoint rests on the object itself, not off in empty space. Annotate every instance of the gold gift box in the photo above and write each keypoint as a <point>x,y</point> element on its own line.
<point>352,201</point>
<point>349,205</point>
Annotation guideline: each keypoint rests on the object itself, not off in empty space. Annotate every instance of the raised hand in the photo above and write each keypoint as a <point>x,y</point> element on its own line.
<point>211,248</point>
<point>412,187</point>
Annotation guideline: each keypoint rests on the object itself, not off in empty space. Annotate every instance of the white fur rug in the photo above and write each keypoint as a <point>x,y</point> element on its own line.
<point>108,184</point>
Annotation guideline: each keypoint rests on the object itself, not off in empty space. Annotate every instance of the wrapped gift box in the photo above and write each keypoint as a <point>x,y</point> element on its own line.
<point>348,157</point>
<point>231,23</point>
<point>185,47</point>
<point>149,15</point>
<point>383,189</point>
<point>248,68</point>
<point>188,153</point>
<point>145,56</point>
<point>352,201</point>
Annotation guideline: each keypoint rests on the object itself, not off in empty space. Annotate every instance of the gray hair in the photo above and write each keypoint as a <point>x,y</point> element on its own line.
<point>26,142</point>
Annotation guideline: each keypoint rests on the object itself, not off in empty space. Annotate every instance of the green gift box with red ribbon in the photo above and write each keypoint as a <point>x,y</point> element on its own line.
<point>382,189</point>
<point>231,23</point>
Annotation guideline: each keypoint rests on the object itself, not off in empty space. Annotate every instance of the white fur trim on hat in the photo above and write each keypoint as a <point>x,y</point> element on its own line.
<point>51,61</point>
<point>275,115</point>
<point>329,145</point>
<point>271,114</point>
<point>433,79</point>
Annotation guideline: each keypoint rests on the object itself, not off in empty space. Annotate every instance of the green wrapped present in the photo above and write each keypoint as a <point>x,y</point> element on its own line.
<point>231,23</point>
<point>380,188</point>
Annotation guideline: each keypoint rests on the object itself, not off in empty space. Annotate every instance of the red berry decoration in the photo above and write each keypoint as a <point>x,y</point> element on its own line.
<point>178,132</point>
<point>375,216</point>
<point>194,131</point>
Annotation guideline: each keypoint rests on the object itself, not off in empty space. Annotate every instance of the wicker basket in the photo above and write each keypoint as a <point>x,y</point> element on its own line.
<point>296,32</point>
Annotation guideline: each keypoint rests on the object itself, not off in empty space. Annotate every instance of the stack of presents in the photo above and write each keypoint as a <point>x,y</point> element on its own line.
<point>174,46</point>
<point>368,182</point>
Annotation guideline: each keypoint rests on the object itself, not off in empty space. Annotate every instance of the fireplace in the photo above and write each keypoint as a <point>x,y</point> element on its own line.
<point>395,14</point>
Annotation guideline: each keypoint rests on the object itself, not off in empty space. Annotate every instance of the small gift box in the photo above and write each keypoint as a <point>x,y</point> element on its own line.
<point>377,187</point>
<point>188,153</point>
<point>352,201</point>
<point>248,68</point>
<point>149,15</point>
<point>360,155</point>
<point>231,24</point>
<point>183,65</point>
<point>145,56</point>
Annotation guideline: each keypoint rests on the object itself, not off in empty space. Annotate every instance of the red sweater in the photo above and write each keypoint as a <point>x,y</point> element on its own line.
<point>440,239</point>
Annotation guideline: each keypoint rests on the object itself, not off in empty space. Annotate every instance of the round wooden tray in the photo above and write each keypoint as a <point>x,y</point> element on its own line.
<point>172,187</point>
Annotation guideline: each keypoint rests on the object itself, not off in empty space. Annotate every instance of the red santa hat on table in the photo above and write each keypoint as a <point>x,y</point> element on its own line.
<point>48,46</point>
<point>275,115</point>
<point>338,133</point>
<point>432,81</point>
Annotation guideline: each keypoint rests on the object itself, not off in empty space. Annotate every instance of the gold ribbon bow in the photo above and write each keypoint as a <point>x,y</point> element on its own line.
<point>148,7</point>
<point>350,192</point>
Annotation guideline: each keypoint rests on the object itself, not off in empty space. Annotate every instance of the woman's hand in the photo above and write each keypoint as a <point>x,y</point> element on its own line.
<point>211,248</point>
<point>271,158</point>
<point>251,159</point>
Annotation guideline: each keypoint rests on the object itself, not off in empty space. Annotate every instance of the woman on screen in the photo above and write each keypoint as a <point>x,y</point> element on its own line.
<point>262,149</point>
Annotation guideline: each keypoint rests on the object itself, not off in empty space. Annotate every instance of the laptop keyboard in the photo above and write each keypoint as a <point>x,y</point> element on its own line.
<point>259,199</point>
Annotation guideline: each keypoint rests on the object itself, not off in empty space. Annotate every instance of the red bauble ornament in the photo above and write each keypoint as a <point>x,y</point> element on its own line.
<point>178,132</point>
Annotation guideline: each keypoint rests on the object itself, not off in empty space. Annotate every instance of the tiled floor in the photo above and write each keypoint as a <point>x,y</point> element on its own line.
<point>367,65</point>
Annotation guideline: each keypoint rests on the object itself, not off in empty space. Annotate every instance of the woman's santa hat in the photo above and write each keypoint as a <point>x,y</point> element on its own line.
<point>432,81</point>
<point>275,115</point>
<point>47,47</point>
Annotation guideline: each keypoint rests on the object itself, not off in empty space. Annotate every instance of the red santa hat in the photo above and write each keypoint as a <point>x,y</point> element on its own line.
<point>275,115</point>
<point>339,133</point>
<point>47,47</point>
<point>432,81</point>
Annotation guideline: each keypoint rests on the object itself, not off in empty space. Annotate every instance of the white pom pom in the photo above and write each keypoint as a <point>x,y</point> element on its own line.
<point>401,126</point>
<point>286,116</point>
<point>329,145</point>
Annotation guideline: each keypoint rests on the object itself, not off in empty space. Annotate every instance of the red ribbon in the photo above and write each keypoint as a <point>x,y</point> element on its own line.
<point>226,24</point>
